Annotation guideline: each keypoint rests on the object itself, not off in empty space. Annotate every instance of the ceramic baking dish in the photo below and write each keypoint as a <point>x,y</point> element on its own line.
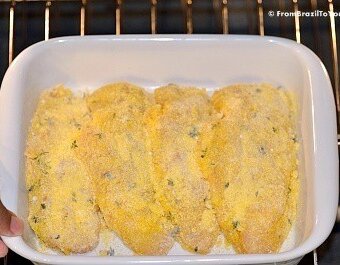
<point>209,61</point>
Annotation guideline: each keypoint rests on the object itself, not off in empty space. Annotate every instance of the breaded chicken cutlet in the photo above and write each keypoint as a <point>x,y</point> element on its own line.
<point>61,208</point>
<point>175,125</point>
<point>170,166</point>
<point>115,148</point>
<point>249,157</point>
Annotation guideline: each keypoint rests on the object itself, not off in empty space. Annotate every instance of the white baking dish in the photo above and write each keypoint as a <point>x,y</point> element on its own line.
<point>208,61</point>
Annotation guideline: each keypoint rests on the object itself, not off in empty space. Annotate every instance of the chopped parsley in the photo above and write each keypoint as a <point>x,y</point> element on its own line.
<point>39,156</point>
<point>262,150</point>
<point>75,124</point>
<point>99,135</point>
<point>74,199</point>
<point>44,167</point>
<point>236,224</point>
<point>169,216</point>
<point>193,132</point>
<point>132,185</point>
<point>175,231</point>
<point>111,252</point>
<point>170,182</point>
<point>108,175</point>
<point>74,144</point>
<point>204,152</point>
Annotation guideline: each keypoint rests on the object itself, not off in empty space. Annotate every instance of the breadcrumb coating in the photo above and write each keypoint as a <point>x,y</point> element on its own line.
<point>61,208</point>
<point>249,157</point>
<point>175,126</point>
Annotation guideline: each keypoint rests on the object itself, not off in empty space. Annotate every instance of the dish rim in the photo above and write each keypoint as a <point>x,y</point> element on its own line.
<point>325,189</point>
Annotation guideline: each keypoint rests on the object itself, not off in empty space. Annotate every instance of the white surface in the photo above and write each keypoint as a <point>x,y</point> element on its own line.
<point>206,61</point>
<point>109,240</point>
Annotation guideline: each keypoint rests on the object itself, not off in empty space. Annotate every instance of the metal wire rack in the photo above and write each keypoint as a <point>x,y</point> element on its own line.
<point>221,8</point>
<point>258,23</point>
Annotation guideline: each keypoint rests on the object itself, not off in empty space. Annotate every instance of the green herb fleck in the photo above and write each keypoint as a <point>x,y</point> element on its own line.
<point>57,237</point>
<point>175,231</point>
<point>39,156</point>
<point>274,129</point>
<point>111,252</point>
<point>108,175</point>
<point>69,100</point>
<point>226,185</point>
<point>204,152</point>
<point>294,139</point>
<point>170,182</point>
<point>49,121</point>
<point>262,150</point>
<point>45,172</point>
<point>43,206</point>
<point>236,224</point>
<point>196,249</point>
<point>35,219</point>
<point>169,216</point>
<point>30,188</point>
<point>75,124</point>
<point>74,144</point>
<point>99,135</point>
<point>289,221</point>
<point>132,185</point>
<point>289,190</point>
<point>44,167</point>
<point>257,193</point>
<point>74,199</point>
<point>193,132</point>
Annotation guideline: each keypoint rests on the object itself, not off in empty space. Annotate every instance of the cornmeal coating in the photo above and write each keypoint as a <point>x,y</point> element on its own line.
<point>175,125</point>
<point>62,212</point>
<point>115,148</point>
<point>249,157</point>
